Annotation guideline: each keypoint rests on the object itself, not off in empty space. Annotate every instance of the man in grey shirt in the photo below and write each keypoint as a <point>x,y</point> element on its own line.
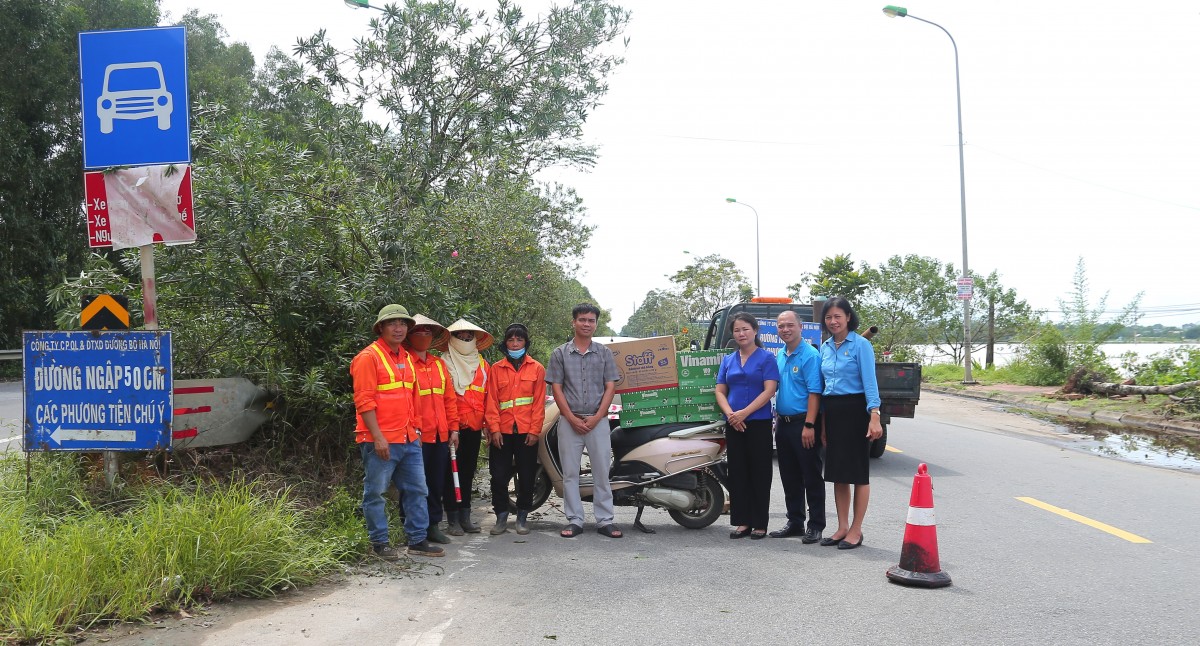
<point>583,376</point>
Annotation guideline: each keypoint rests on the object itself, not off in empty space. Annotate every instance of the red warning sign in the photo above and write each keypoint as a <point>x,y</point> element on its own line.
<point>139,206</point>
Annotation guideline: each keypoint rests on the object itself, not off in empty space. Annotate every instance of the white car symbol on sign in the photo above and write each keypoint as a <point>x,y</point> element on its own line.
<point>134,91</point>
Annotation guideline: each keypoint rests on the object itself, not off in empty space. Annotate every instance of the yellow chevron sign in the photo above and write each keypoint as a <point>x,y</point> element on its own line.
<point>104,312</point>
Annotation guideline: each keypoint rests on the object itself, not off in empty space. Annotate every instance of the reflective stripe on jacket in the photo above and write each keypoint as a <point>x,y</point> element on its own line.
<point>437,404</point>
<point>516,397</point>
<point>383,382</point>
<point>471,403</point>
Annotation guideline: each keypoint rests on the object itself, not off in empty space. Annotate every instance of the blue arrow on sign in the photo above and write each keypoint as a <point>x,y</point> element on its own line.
<point>133,85</point>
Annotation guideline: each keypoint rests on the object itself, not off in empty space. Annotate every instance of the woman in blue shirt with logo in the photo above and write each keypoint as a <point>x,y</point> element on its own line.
<point>851,412</point>
<point>746,382</point>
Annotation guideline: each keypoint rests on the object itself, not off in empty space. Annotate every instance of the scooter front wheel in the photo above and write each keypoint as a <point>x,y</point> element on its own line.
<point>710,501</point>
<point>541,490</point>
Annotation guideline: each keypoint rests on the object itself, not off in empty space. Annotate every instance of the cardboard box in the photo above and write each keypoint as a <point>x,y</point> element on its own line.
<point>709,412</point>
<point>648,416</point>
<point>702,394</point>
<point>650,398</point>
<point>699,368</point>
<point>645,364</point>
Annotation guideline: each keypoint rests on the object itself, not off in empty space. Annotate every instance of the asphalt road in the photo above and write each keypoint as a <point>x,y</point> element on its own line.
<point>1021,574</point>
<point>10,415</point>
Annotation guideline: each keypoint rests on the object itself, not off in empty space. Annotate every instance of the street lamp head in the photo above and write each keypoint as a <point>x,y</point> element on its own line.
<point>892,11</point>
<point>731,200</point>
<point>357,4</point>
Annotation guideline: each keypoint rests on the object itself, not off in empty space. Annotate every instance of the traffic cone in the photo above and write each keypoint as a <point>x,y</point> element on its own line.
<point>919,565</point>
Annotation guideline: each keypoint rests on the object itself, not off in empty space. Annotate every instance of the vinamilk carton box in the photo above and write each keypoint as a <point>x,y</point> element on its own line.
<point>648,416</point>
<point>708,412</point>
<point>650,398</point>
<point>700,368</point>
<point>706,394</point>
<point>645,364</point>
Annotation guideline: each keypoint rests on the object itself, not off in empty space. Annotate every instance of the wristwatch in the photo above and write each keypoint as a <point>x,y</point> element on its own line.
<point>809,425</point>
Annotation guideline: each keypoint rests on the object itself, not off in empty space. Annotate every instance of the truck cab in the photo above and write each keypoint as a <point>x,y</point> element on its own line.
<point>899,383</point>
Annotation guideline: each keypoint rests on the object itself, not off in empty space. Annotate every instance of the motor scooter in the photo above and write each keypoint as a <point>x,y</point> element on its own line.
<point>678,467</point>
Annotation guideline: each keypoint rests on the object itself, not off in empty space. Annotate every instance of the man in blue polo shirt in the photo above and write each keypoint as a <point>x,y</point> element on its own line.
<point>797,403</point>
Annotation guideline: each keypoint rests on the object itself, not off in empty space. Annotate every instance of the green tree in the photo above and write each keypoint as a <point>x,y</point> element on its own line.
<point>43,235</point>
<point>1000,315</point>
<point>661,313</point>
<point>469,92</point>
<point>911,300</point>
<point>835,276</point>
<point>709,283</point>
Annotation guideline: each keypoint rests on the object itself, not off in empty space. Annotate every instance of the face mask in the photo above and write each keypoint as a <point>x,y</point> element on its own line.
<point>516,354</point>
<point>462,347</point>
<point>420,342</point>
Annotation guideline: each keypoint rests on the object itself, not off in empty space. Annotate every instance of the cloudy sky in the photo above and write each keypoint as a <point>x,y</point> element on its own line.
<point>838,126</point>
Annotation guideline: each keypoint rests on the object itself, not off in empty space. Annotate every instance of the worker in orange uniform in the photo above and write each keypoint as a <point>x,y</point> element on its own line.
<point>437,412</point>
<point>388,440</point>
<point>515,410</point>
<point>469,372</point>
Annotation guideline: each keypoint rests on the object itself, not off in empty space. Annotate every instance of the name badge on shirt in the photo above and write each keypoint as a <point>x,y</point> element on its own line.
<point>795,369</point>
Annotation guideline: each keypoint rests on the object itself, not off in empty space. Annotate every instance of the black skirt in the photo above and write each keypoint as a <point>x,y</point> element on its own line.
<point>847,449</point>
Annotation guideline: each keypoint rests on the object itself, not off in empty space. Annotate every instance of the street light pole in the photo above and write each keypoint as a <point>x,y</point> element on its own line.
<point>362,4</point>
<point>893,11</point>
<point>757,248</point>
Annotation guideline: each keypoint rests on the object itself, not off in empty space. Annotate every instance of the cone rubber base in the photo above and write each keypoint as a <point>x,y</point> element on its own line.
<point>918,579</point>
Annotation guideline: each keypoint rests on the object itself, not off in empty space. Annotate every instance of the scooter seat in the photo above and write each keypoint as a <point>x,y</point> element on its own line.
<point>625,440</point>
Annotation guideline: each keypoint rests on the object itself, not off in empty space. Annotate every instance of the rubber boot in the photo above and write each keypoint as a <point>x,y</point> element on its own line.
<point>452,526</point>
<point>501,524</point>
<point>436,535</point>
<point>522,516</point>
<point>464,521</point>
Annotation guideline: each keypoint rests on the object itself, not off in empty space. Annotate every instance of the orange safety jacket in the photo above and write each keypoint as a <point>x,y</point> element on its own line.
<point>516,398</point>
<point>471,402</point>
<point>384,382</point>
<point>437,404</point>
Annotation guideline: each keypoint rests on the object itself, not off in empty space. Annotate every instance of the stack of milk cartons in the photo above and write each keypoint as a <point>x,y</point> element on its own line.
<point>697,392</point>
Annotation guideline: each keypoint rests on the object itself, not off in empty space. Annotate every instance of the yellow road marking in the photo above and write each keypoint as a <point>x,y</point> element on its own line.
<point>893,449</point>
<point>1119,533</point>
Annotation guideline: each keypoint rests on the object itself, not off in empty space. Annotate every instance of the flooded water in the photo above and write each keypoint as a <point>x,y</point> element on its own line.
<point>1006,352</point>
<point>1167,450</point>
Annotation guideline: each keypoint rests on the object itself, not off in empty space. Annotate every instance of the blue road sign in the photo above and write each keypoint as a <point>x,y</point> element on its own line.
<point>768,333</point>
<point>135,97</point>
<point>98,391</point>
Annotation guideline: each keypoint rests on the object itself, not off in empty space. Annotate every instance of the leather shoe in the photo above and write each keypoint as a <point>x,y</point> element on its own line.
<point>847,545</point>
<point>811,536</point>
<point>787,530</point>
<point>829,542</point>
<point>736,533</point>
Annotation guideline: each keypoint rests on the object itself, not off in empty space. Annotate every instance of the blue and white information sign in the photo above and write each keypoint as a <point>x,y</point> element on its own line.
<point>135,97</point>
<point>768,333</point>
<point>98,391</point>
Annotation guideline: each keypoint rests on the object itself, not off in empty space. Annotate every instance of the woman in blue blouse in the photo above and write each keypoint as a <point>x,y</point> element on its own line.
<point>745,384</point>
<point>851,413</point>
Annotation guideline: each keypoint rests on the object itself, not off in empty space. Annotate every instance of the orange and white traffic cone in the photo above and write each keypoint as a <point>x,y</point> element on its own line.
<point>919,564</point>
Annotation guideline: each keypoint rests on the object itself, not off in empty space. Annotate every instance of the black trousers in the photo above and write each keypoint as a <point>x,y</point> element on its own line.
<point>750,473</point>
<point>468,463</point>
<point>437,464</point>
<point>500,463</point>
<point>800,473</point>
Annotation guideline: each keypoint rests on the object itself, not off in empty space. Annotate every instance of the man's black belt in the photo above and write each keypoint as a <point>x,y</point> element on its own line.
<point>797,418</point>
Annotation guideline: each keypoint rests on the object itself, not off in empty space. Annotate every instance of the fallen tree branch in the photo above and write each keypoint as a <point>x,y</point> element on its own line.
<point>1124,389</point>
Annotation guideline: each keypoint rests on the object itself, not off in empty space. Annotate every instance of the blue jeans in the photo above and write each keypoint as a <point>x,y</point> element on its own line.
<point>406,470</point>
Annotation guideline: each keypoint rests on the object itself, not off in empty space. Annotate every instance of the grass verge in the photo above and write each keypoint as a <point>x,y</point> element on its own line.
<point>69,558</point>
